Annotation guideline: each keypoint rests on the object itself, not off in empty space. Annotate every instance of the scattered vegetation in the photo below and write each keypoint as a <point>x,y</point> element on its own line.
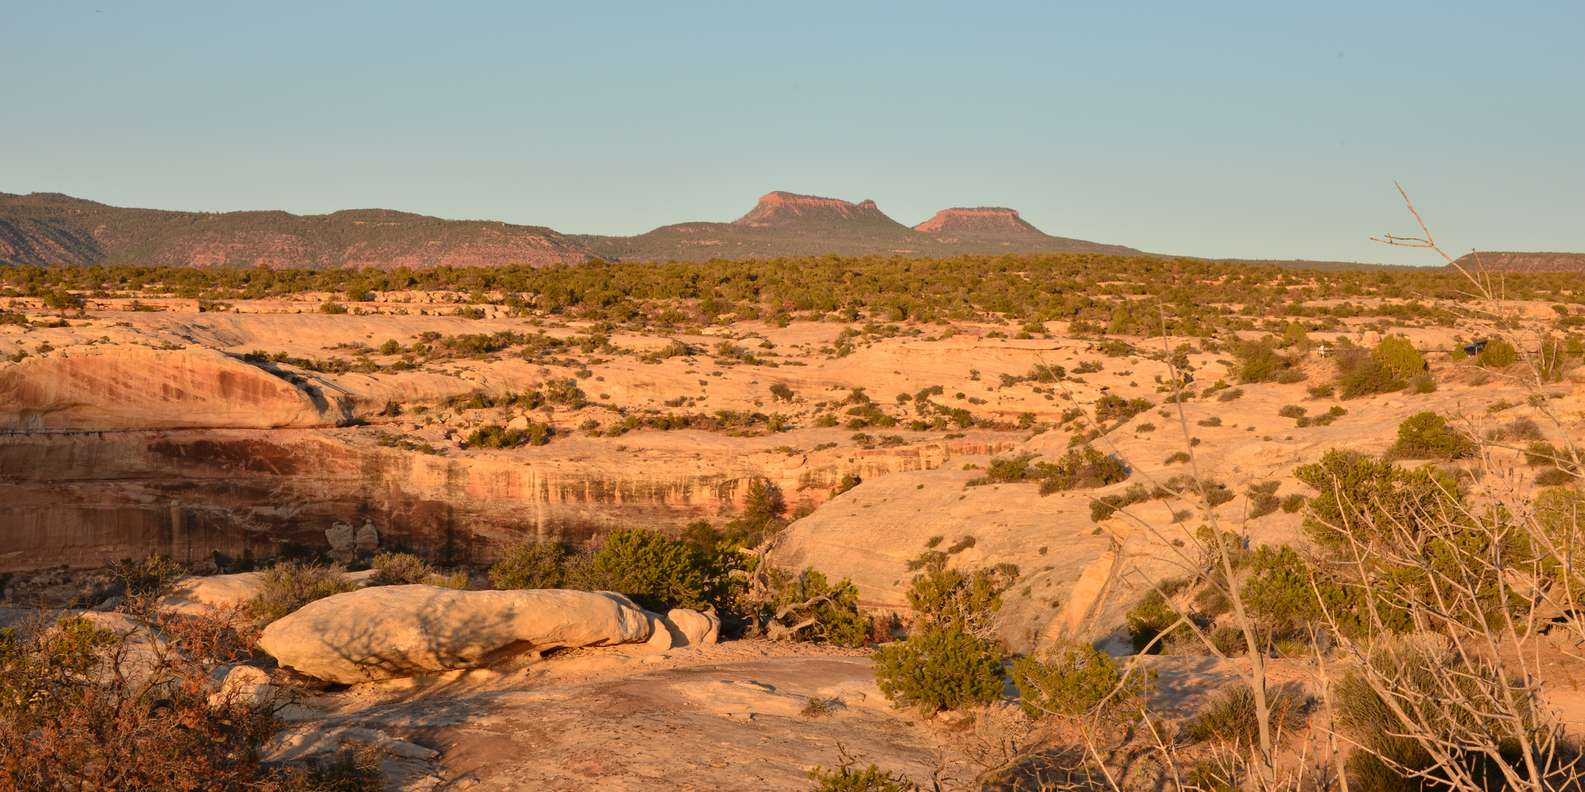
<point>290,585</point>
<point>939,668</point>
<point>1426,435</point>
<point>396,569</point>
<point>1082,467</point>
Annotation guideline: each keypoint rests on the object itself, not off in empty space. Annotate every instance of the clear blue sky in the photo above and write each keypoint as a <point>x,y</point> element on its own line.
<point>1267,129</point>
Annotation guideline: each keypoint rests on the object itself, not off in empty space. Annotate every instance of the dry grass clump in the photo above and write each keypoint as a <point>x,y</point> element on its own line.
<point>1231,718</point>
<point>395,569</point>
<point>290,585</point>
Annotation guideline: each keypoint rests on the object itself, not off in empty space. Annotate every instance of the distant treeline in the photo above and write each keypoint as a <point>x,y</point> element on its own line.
<point>1107,293</point>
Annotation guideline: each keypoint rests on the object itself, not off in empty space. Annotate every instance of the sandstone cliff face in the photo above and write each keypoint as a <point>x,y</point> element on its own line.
<point>106,388</point>
<point>116,449</point>
<point>86,498</point>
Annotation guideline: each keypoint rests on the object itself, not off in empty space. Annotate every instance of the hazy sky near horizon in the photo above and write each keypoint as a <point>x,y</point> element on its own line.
<point>1216,129</point>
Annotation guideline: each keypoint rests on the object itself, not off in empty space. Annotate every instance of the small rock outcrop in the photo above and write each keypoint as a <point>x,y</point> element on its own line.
<point>393,631</point>
<point>695,628</point>
<point>247,686</point>
<point>195,595</point>
<point>348,543</point>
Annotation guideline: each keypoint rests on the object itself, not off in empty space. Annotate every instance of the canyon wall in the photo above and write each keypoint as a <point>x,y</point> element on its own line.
<point>84,498</point>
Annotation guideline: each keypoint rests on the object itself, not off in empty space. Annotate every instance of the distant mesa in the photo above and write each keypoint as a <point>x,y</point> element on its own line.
<point>55,229</point>
<point>51,229</point>
<point>779,208</point>
<point>1515,261</point>
<point>978,222</point>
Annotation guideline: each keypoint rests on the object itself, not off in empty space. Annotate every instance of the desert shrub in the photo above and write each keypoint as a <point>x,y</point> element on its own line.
<point>1176,457</point>
<point>1365,508</point>
<point>656,571</point>
<point>290,585</point>
<point>1007,469</point>
<point>80,709</point>
<point>1074,680</point>
<point>1560,517</point>
<point>1551,359</point>
<point>1540,453</point>
<point>847,482</point>
<point>1150,618</point>
<point>1291,504</point>
<point>1291,411</point>
<point>1215,493</point>
<point>945,597</point>
<point>1081,467</point>
<point>1361,494</point>
<point>1263,498</point>
<point>1295,335</point>
<point>820,707</point>
<point>1277,590</point>
<point>396,569</point>
<point>530,565</point>
<point>1112,407</point>
<point>1554,477</point>
<point>1398,355</point>
<point>1517,429</point>
<point>1104,507</point>
<point>762,502</point>
<point>1387,756</point>
<point>1426,435</point>
<point>939,668</point>
<point>808,607</point>
<point>353,768</point>
<point>1231,719</point>
<point>332,307</point>
<point>1362,374</point>
<point>40,663</point>
<point>781,392</point>
<point>150,577</point>
<point>1228,639</point>
<point>1231,394</point>
<point>62,300</point>
<point>1498,353</point>
<point>1259,361</point>
<point>497,436</point>
<point>850,778</point>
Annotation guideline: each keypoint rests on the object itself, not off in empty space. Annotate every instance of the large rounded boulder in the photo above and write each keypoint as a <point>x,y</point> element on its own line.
<point>395,631</point>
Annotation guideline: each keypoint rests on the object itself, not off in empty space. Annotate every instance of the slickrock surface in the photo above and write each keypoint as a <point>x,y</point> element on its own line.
<point>112,387</point>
